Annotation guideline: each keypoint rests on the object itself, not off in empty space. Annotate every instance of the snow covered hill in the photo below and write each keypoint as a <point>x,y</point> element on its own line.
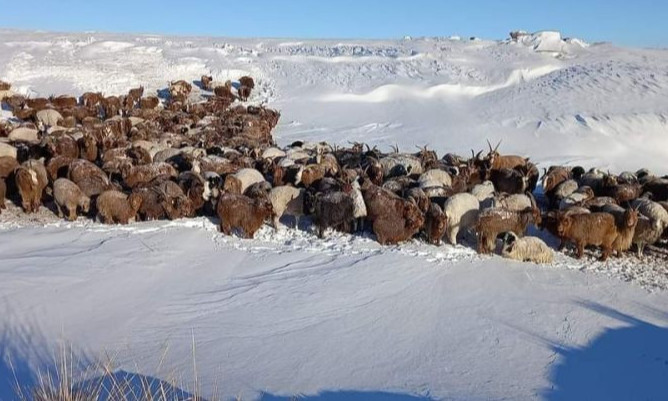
<point>288,314</point>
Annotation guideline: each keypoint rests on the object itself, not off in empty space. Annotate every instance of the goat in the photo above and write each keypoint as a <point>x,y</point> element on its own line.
<point>240,212</point>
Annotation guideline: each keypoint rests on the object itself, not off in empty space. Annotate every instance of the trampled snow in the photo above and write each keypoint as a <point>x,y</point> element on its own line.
<point>288,314</point>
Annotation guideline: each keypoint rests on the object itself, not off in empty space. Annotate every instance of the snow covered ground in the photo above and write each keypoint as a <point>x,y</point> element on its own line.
<point>288,314</point>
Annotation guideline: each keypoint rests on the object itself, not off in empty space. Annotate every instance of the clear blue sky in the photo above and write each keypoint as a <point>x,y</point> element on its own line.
<point>624,22</point>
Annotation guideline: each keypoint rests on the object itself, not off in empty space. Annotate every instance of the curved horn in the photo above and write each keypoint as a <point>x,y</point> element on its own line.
<point>497,145</point>
<point>478,155</point>
<point>490,146</point>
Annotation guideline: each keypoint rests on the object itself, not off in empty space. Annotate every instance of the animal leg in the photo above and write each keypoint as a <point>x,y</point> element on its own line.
<point>606,252</point>
<point>60,211</point>
<point>580,249</point>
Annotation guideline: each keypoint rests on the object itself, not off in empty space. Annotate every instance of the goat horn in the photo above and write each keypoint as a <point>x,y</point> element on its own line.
<point>497,145</point>
<point>478,155</point>
<point>490,146</point>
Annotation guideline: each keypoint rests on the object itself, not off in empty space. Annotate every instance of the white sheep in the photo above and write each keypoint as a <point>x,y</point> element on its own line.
<point>24,134</point>
<point>286,199</point>
<point>461,211</point>
<point>576,198</point>
<point>7,150</point>
<point>564,189</point>
<point>435,178</point>
<point>514,202</point>
<point>484,193</point>
<point>272,153</point>
<point>165,154</point>
<point>242,179</point>
<point>652,210</point>
<point>411,163</point>
<point>49,117</point>
<point>526,249</point>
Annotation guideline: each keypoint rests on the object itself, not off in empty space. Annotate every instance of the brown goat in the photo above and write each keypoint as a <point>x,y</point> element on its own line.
<point>149,102</point>
<point>136,93</point>
<point>492,222</point>
<point>393,228</point>
<point>244,92</point>
<point>247,81</point>
<point>596,229</point>
<point>435,224</point>
<point>91,99</point>
<point>242,213</point>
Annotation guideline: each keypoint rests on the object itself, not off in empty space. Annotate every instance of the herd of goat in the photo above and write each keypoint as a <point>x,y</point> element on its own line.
<point>129,157</point>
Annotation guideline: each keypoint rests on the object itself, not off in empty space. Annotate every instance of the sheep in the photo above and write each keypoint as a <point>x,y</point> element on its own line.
<point>136,175</point>
<point>398,164</point>
<point>484,193</point>
<point>462,213</point>
<point>49,117</point>
<point>58,166</point>
<point>597,229</point>
<point>580,197</point>
<point>434,178</point>
<point>391,228</point>
<point>7,150</point>
<point>7,166</point>
<point>115,207</point>
<point>31,179</point>
<point>242,179</point>
<point>68,195</point>
<point>163,199</point>
<point>331,210</point>
<point>526,249</point>
<point>242,213</point>
<point>287,200</point>
<point>561,191</point>
<point>24,134</point>
<point>435,224</point>
<point>658,187</point>
<point>313,173</point>
<point>651,209</point>
<point>492,222</point>
<point>515,202</point>
<point>647,232</point>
